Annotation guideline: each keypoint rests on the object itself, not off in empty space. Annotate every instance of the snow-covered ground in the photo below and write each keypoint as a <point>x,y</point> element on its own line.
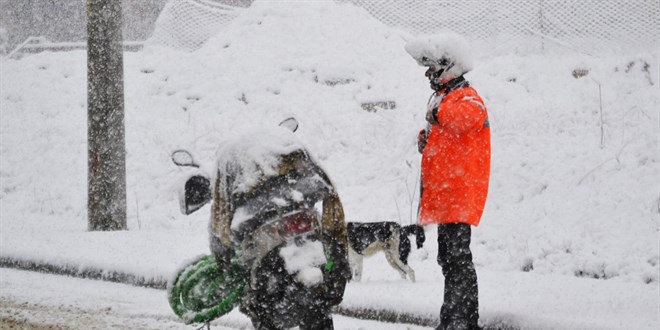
<point>570,235</point>
<point>36,301</point>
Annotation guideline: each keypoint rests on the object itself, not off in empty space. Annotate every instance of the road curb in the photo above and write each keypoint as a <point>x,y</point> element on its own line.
<point>83,272</point>
<point>161,284</point>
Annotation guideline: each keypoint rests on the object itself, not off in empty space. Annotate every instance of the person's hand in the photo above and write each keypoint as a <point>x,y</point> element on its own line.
<point>421,140</point>
<point>432,116</point>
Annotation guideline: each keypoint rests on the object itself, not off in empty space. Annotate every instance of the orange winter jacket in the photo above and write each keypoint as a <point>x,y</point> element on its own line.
<point>456,160</point>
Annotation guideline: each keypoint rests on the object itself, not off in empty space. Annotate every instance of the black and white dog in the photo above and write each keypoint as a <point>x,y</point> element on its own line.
<point>367,238</point>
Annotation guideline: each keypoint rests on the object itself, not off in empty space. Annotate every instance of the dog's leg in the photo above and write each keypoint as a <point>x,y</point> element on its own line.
<point>392,256</point>
<point>410,272</point>
<point>355,261</point>
<point>403,269</point>
<point>358,268</point>
<point>391,259</point>
<point>404,252</point>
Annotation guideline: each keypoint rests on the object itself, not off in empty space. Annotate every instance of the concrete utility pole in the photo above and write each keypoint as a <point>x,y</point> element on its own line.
<point>106,178</point>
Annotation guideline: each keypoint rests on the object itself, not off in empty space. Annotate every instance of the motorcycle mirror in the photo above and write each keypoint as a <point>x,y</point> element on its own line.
<point>197,193</point>
<point>182,157</point>
<point>290,123</point>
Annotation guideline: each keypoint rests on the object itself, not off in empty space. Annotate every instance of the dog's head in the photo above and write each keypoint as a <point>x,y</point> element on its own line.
<point>420,237</point>
<point>416,230</point>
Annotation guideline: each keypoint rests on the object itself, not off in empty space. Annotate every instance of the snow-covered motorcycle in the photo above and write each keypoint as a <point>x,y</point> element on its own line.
<point>277,237</point>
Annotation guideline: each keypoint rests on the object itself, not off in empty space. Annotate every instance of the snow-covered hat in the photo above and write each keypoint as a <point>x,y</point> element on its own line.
<point>447,51</point>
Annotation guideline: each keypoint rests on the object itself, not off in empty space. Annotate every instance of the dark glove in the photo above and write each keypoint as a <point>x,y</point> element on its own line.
<point>432,116</point>
<point>421,140</point>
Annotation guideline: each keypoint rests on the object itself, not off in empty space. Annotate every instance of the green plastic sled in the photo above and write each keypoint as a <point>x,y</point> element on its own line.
<point>199,294</point>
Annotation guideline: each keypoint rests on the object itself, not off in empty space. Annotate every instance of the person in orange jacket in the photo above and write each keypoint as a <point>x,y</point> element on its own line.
<point>455,148</point>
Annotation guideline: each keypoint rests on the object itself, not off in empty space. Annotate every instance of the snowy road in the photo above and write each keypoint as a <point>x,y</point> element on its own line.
<point>31,300</point>
<point>42,301</point>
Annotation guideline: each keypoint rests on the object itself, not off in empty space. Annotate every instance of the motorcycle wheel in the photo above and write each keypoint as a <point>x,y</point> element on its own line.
<point>199,293</point>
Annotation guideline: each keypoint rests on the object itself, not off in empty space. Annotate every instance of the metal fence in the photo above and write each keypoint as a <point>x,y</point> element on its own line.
<point>590,26</point>
<point>515,25</point>
<point>503,26</point>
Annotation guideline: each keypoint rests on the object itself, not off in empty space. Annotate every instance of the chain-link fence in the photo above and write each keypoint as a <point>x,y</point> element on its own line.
<point>503,26</point>
<point>187,24</point>
<point>589,26</point>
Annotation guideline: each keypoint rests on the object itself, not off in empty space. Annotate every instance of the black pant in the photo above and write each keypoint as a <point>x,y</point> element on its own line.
<point>460,308</point>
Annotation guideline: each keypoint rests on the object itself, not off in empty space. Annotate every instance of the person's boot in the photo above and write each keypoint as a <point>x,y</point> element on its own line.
<point>458,325</point>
